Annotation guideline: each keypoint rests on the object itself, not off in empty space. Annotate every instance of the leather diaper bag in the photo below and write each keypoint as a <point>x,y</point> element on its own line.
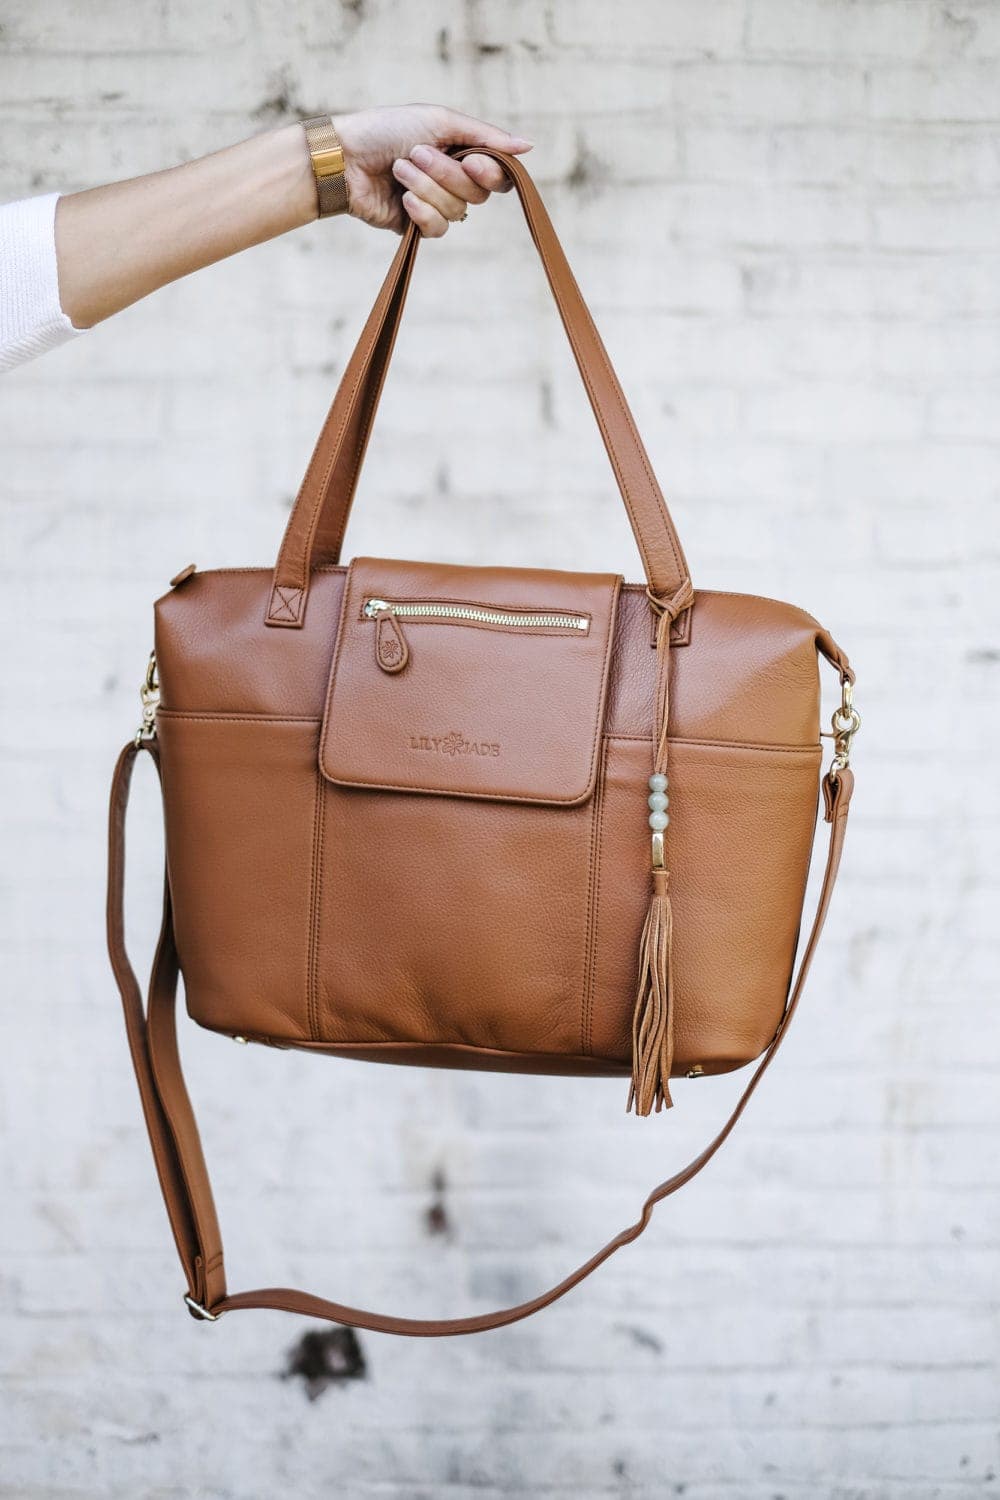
<point>477,817</point>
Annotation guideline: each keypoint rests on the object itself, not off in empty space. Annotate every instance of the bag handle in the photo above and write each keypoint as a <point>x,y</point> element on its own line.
<point>152,1038</point>
<point>315,529</point>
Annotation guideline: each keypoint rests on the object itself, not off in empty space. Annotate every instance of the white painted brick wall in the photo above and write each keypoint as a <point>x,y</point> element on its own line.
<point>785,214</point>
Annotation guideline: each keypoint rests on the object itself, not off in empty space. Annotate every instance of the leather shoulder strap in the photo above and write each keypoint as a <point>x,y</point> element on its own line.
<point>152,1039</point>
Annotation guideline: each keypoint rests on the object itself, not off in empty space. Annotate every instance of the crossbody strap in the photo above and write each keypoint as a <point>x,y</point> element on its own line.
<point>180,1164</point>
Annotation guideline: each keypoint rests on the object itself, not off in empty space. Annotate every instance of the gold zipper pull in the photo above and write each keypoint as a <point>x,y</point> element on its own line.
<point>391,649</point>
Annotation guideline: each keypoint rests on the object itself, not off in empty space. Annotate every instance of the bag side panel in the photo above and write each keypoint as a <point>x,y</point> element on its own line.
<point>738,848</point>
<point>240,799</point>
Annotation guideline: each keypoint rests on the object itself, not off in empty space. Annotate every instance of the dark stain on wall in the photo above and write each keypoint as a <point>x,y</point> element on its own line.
<point>644,1339</point>
<point>436,1220</point>
<point>442,479</point>
<point>321,1358</point>
<point>586,170</point>
<point>282,101</point>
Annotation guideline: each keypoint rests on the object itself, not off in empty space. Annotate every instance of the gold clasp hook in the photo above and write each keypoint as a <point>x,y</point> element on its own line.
<point>846,722</point>
<point>150,695</point>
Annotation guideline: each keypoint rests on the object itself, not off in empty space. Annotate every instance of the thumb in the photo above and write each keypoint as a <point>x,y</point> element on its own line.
<point>457,129</point>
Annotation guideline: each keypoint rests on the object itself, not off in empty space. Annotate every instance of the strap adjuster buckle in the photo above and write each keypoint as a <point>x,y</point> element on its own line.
<point>197,1311</point>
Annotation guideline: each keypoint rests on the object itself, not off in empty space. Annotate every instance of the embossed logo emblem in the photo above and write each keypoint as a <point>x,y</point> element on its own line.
<point>453,743</point>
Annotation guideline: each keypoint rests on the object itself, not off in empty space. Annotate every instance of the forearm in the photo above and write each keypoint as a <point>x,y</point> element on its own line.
<point>118,243</point>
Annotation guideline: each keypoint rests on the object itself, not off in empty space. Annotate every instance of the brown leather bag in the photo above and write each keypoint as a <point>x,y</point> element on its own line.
<point>419,813</point>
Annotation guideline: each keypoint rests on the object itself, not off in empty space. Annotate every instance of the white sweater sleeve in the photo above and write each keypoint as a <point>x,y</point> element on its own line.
<point>31,318</point>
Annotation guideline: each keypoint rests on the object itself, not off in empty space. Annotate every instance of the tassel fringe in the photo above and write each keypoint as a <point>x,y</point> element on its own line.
<point>653,1019</point>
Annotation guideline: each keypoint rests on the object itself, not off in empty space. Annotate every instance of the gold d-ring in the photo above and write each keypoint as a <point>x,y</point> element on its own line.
<point>150,695</point>
<point>846,722</point>
<point>199,1311</point>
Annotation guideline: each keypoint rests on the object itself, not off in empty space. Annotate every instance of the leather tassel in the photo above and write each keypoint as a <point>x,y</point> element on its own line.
<point>653,1018</point>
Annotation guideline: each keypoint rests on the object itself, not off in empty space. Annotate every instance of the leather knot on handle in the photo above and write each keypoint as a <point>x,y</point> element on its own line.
<point>676,603</point>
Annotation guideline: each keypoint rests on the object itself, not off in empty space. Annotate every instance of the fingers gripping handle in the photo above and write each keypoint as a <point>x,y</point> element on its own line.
<point>315,529</point>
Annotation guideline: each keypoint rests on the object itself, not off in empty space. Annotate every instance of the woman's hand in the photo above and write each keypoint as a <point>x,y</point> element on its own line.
<point>120,242</point>
<point>396,169</point>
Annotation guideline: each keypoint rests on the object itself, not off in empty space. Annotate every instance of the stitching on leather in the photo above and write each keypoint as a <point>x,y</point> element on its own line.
<point>619,397</point>
<point>554,632</point>
<point>233,718</point>
<point>318,892</point>
<point>590,325</point>
<point>596,829</point>
<point>345,601</point>
<point>183,714</point>
<point>446,791</point>
<point>367,416</point>
<point>619,1064</point>
<point>401,290</point>
<point>645,739</point>
<point>312,939</point>
<point>588,912</point>
<point>317,508</point>
<point>597,905</point>
<point>285,603</point>
<point>513,609</point>
<point>265,571</point>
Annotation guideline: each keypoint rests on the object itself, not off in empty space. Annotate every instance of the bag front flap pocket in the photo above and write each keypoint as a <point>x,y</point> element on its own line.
<point>469,682</point>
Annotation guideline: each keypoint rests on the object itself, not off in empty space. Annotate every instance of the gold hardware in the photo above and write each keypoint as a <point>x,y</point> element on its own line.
<point>846,722</point>
<point>201,1312</point>
<point>328,162</point>
<point>696,1072</point>
<point>659,859</point>
<point>243,1041</point>
<point>150,695</point>
<point>326,153</point>
<point>517,619</point>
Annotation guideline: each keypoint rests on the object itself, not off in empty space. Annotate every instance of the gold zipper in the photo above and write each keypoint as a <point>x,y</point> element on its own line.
<point>392,650</point>
<point>515,619</point>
